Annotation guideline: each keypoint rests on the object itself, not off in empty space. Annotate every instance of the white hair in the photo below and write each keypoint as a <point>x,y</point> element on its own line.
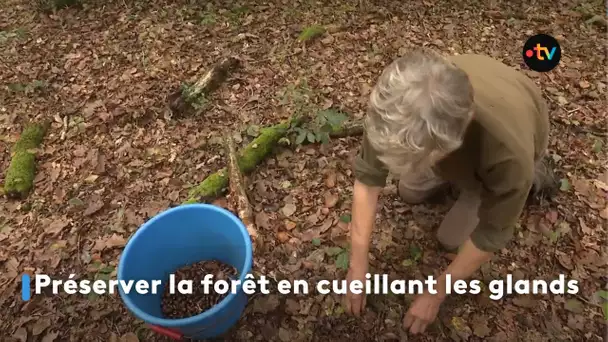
<point>419,110</point>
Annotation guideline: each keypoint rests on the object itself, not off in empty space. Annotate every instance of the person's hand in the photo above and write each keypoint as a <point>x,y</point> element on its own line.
<point>355,303</point>
<point>423,312</point>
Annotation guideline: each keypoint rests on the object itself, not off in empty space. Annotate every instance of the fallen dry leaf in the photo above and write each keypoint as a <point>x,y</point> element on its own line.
<point>460,327</point>
<point>524,301</point>
<point>331,199</point>
<point>112,241</point>
<point>40,326</point>
<point>565,260</point>
<point>95,204</point>
<point>113,338</point>
<point>20,334</point>
<point>262,220</point>
<point>57,226</point>
<point>584,228</point>
<point>91,178</point>
<point>604,213</point>
<point>330,180</point>
<point>289,209</point>
<point>290,225</point>
<point>129,337</point>
<point>481,329</point>
<point>266,304</point>
<point>50,337</point>
<point>283,237</point>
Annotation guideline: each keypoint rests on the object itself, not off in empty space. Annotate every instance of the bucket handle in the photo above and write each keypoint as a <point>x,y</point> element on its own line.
<point>170,333</point>
<point>176,334</point>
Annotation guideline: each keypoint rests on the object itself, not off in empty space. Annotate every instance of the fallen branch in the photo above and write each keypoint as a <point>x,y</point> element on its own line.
<point>248,159</point>
<point>238,195</point>
<point>348,130</point>
<point>256,151</point>
<point>191,97</point>
<point>21,172</point>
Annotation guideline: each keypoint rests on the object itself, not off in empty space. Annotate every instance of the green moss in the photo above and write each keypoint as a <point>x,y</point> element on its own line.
<point>211,187</point>
<point>248,159</point>
<point>261,146</point>
<point>20,175</point>
<point>311,32</point>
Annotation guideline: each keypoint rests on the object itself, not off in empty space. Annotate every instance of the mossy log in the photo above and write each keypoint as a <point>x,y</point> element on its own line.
<point>348,130</point>
<point>258,149</point>
<point>248,159</point>
<point>190,97</point>
<point>21,172</point>
<point>237,193</point>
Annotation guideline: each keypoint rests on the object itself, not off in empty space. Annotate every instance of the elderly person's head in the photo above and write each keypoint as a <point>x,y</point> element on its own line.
<point>418,111</point>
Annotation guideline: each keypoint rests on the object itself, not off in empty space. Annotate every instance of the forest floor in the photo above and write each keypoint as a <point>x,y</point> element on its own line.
<point>112,159</point>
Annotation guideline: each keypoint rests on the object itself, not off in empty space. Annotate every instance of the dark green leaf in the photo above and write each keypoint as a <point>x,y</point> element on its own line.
<point>301,137</point>
<point>331,251</point>
<point>407,263</point>
<point>76,202</point>
<point>342,260</point>
<point>597,146</point>
<point>345,218</point>
<point>574,306</point>
<point>603,294</point>
<point>324,137</point>
<point>565,184</point>
<point>107,269</point>
<point>316,242</point>
<point>605,309</point>
<point>326,128</point>
<point>415,252</point>
<point>103,276</point>
<point>16,87</point>
<point>319,136</point>
<point>336,118</point>
<point>311,137</point>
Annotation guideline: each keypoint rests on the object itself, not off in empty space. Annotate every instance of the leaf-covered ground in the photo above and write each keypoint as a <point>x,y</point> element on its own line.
<point>112,159</point>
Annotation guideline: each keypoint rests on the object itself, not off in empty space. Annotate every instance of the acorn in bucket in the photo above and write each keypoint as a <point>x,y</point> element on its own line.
<point>177,305</point>
<point>211,240</point>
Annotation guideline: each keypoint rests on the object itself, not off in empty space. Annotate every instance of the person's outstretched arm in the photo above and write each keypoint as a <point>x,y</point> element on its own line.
<point>370,178</point>
<point>365,200</point>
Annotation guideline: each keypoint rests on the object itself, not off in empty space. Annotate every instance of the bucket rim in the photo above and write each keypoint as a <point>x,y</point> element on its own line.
<point>180,322</point>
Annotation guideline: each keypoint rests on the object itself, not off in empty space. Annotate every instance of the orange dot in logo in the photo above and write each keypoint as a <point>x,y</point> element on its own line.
<point>529,53</point>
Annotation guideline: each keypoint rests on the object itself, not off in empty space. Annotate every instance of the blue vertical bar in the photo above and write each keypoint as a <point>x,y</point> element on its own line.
<point>25,287</point>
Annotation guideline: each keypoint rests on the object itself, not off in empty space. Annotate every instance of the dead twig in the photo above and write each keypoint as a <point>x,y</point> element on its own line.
<point>187,98</point>
<point>348,130</point>
<point>578,129</point>
<point>238,193</point>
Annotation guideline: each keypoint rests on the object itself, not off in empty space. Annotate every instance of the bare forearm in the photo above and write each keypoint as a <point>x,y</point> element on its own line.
<point>365,199</point>
<point>468,260</point>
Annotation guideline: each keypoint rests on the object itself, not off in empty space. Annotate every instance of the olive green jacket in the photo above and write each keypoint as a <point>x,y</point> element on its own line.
<point>508,134</point>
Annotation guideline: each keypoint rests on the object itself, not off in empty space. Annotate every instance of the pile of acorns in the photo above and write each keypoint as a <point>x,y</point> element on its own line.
<point>178,305</point>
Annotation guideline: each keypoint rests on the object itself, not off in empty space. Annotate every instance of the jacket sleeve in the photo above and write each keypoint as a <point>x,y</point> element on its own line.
<point>368,169</point>
<point>505,190</point>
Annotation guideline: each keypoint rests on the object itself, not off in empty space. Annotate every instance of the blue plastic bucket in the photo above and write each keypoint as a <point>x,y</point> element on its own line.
<point>175,238</point>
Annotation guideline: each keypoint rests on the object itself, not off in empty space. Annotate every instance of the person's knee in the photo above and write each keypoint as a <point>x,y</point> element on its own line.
<point>412,196</point>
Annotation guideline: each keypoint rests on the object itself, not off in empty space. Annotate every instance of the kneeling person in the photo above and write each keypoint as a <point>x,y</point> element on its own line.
<point>469,121</point>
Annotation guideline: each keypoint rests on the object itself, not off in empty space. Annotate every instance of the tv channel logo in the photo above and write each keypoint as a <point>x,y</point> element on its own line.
<point>542,53</point>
